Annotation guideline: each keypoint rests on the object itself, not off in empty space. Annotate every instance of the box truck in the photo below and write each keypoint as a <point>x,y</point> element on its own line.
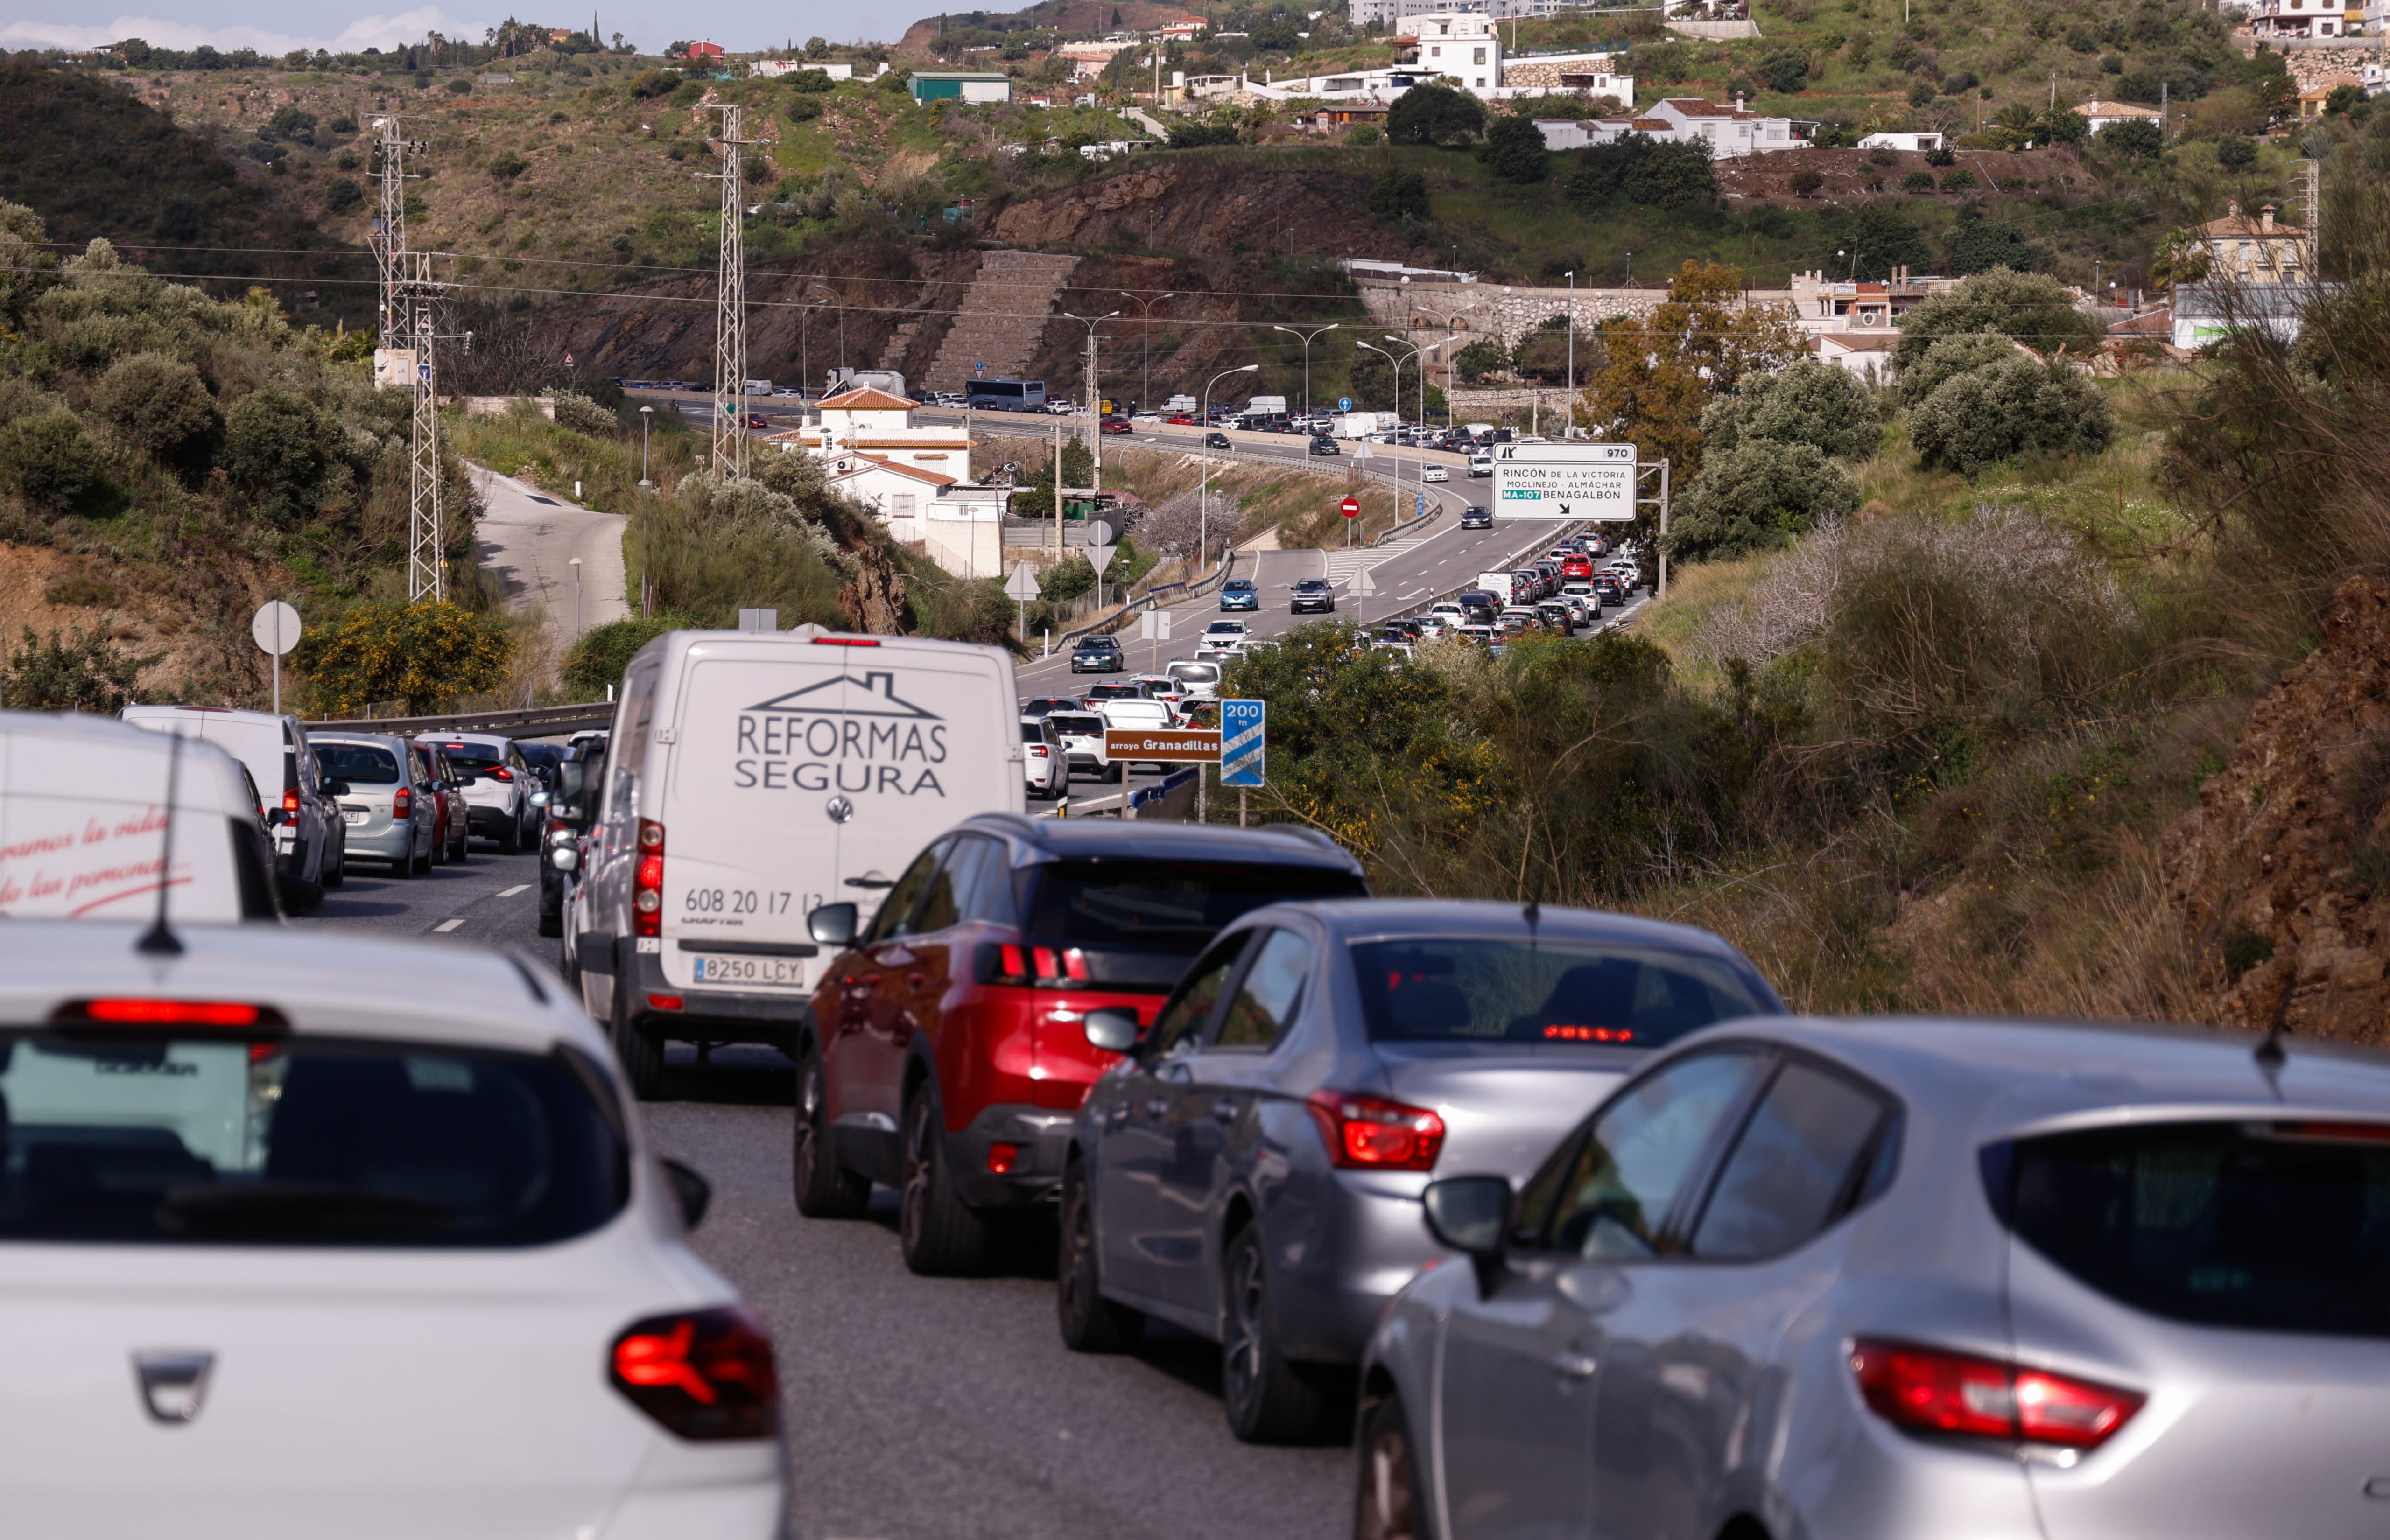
<point>1360,425</point>
<point>1502,585</point>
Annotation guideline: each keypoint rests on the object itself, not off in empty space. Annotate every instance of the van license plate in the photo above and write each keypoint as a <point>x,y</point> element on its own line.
<point>750,971</point>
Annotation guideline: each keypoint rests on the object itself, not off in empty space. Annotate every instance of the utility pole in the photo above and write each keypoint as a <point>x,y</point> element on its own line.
<point>1306,358</point>
<point>1145,401</point>
<point>1095,401</point>
<point>1571,430</point>
<point>2311,180</point>
<point>730,309</point>
<point>417,296</point>
<point>389,229</point>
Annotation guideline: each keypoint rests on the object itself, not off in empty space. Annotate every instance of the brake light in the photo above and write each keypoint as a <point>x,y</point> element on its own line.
<point>1371,1133</point>
<point>1000,1158</point>
<point>1013,963</point>
<point>664,1001</point>
<point>142,1011</point>
<point>846,641</point>
<point>647,882</point>
<point>401,803</point>
<point>290,801</point>
<point>705,1375</point>
<point>1937,1390</point>
<point>500,772</point>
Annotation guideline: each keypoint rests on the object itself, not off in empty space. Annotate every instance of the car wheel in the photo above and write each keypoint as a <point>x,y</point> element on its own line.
<point>1090,1323</point>
<point>1268,1400</point>
<point>939,1234</point>
<point>510,842</point>
<point>642,1056</point>
<point>464,845</point>
<point>1389,1503</point>
<point>404,867</point>
<point>551,924</point>
<point>824,1190</point>
<point>439,856</point>
<point>339,871</point>
<point>303,898</point>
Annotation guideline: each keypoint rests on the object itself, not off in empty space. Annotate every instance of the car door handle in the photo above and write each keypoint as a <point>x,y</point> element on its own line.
<point>1156,1106</point>
<point>1574,1366</point>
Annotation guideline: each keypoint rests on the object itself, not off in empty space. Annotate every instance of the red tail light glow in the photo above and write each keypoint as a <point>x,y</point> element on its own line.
<point>845,641</point>
<point>1021,965</point>
<point>1937,1390</point>
<point>499,771</point>
<point>647,882</point>
<point>401,804</point>
<point>1000,1157</point>
<point>131,1012</point>
<point>290,801</point>
<point>706,1375</point>
<point>1373,1134</point>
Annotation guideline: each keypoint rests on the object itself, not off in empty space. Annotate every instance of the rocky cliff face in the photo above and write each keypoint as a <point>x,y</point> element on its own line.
<point>1207,206</point>
<point>2282,873</point>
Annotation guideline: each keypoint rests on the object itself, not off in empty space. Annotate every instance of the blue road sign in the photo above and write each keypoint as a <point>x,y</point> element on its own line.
<point>1240,743</point>
<point>1344,403</point>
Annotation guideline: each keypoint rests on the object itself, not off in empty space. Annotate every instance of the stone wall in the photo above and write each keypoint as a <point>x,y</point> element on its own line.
<point>1509,311</point>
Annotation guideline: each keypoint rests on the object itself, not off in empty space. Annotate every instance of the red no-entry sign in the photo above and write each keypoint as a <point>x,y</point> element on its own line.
<point>1352,507</point>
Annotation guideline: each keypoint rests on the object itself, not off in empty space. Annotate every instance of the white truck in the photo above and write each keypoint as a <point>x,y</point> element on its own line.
<point>873,379</point>
<point>1266,406</point>
<point>1501,585</point>
<point>753,777</point>
<point>1360,425</point>
<point>1179,405</point>
<point>759,387</point>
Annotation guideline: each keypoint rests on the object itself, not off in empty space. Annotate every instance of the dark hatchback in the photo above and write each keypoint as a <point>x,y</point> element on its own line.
<point>1097,654</point>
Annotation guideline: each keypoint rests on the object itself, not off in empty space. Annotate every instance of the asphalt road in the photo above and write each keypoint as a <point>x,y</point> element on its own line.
<point>918,1408</point>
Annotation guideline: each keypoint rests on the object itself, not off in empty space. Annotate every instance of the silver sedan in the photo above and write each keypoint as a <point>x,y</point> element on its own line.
<point>1896,1278</point>
<point>1251,1171</point>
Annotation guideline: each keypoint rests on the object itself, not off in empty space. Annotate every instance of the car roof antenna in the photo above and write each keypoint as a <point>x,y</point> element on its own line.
<point>2269,1054</point>
<point>1532,913</point>
<point>159,941</point>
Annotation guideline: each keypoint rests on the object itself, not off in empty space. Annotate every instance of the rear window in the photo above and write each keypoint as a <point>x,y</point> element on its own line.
<point>472,756</point>
<point>1471,990</point>
<point>209,1141</point>
<point>1195,673</point>
<point>358,764</point>
<point>1165,905</point>
<point>1077,726</point>
<point>2273,1226</point>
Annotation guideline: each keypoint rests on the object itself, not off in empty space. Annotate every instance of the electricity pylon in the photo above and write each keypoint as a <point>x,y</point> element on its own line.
<point>730,309</point>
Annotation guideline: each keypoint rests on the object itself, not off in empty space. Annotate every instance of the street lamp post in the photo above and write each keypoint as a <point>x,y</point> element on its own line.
<point>1571,432</point>
<point>1147,306</point>
<point>805,345</point>
<point>1095,401</point>
<point>1203,495</point>
<point>831,298</point>
<point>1306,358</point>
<point>1398,362</point>
<point>646,416</point>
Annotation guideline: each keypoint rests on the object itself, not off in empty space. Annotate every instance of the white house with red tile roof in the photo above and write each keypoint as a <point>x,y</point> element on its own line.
<point>1728,130</point>
<point>917,480</point>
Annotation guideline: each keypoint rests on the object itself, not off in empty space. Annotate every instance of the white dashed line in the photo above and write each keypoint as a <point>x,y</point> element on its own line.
<point>447,925</point>
<point>518,888</point>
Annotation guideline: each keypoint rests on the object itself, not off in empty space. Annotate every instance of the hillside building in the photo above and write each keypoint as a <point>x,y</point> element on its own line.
<point>2097,114</point>
<point>917,480</point>
<point>2298,19</point>
<point>1727,131</point>
<point>2247,251</point>
<point>971,87</point>
<point>1821,306</point>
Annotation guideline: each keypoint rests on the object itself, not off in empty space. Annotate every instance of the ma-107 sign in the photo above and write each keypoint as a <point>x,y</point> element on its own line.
<point>1564,480</point>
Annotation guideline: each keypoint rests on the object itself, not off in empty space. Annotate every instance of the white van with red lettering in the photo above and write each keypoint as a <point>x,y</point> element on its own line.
<point>751,777</point>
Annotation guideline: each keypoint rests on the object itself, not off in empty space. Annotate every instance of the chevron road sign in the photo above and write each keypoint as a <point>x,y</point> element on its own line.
<point>1240,743</point>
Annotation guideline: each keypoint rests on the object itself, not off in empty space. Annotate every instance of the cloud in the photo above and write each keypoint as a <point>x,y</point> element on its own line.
<point>369,32</point>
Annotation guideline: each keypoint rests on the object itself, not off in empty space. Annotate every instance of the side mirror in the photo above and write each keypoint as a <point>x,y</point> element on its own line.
<point>692,1192</point>
<point>336,788</point>
<point>1472,1215</point>
<point>564,858</point>
<point>539,798</point>
<point>467,781</point>
<point>832,924</point>
<point>1112,1029</point>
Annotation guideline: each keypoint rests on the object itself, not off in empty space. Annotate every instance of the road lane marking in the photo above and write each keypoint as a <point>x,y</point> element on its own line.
<point>518,888</point>
<point>445,924</point>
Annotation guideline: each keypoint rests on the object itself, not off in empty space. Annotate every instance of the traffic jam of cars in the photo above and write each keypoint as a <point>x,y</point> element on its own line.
<point>1560,1220</point>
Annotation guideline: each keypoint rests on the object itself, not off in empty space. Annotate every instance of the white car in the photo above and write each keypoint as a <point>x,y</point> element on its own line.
<point>373,1244</point>
<point>1081,735</point>
<point>1434,473</point>
<point>1200,678</point>
<point>1480,465</point>
<point>1044,765</point>
<point>498,788</point>
<point>1223,631</point>
<point>1146,420</point>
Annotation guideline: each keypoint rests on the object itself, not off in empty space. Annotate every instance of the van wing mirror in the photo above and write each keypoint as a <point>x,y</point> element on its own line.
<point>1112,1029</point>
<point>1472,1215</point>
<point>832,924</point>
<point>539,798</point>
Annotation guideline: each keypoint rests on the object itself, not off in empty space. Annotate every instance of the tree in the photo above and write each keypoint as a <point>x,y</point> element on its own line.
<point>2134,139</point>
<point>1784,70</point>
<point>1543,355</point>
<point>2037,310</point>
<point>1983,244</point>
<point>158,403</point>
<point>1514,152</point>
<point>597,660</point>
<point>1758,496</point>
<point>1433,114</point>
<point>50,459</point>
<point>1658,373</point>
<point>1982,417</point>
<point>1399,197</point>
<point>426,657</point>
<point>277,448</point>
<point>79,672</point>
<point>2236,152</point>
<point>1951,357</point>
<point>1807,181</point>
<point>1643,171</point>
<point>1480,359</point>
<point>1808,402</point>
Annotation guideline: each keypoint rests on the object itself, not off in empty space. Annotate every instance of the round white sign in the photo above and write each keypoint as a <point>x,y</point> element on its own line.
<point>275,626</point>
<point>1099,533</point>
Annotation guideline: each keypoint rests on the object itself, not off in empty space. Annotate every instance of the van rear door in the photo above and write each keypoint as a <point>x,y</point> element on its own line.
<point>810,771</point>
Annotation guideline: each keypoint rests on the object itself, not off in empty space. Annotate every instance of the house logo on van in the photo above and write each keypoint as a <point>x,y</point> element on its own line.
<point>829,737</point>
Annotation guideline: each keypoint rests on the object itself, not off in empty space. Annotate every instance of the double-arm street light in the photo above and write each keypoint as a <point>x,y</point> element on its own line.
<point>1203,497</point>
<point>1146,400</point>
<point>832,297</point>
<point>1095,401</point>
<point>1417,355</point>
<point>806,345</point>
<point>1306,359</point>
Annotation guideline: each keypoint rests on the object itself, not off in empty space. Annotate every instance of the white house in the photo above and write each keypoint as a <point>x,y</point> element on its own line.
<point>1728,130</point>
<point>1822,304</point>
<point>917,479</point>
<point>2298,18</point>
<point>2097,114</point>
<point>1867,354</point>
<point>2209,313</point>
<point>776,69</point>
<point>1912,143</point>
<point>1463,45</point>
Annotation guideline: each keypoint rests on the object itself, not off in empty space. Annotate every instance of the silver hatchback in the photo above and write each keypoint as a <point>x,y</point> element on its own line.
<point>1896,1278</point>
<point>1251,1171</point>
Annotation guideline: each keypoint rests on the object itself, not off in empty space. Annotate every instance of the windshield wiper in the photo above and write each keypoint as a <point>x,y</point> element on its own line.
<point>294,1207</point>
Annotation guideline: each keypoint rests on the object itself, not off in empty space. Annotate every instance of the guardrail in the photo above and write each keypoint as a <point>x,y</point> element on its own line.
<point>548,721</point>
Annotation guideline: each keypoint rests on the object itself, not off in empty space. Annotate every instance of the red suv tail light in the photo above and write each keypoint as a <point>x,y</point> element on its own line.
<point>705,1374</point>
<point>1022,965</point>
<point>1373,1134</point>
<point>647,882</point>
<point>1935,1390</point>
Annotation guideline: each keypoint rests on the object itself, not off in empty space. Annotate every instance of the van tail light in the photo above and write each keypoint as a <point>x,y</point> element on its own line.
<point>647,882</point>
<point>401,804</point>
<point>290,801</point>
<point>705,1374</point>
<point>1934,1391</point>
<point>1373,1134</point>
<point>1022,965</point>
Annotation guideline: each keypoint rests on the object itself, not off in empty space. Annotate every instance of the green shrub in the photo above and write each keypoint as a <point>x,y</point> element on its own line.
<point>2134,139</point>
<point>1918,182</point>
<point>1980,418</point>
<point>1201,136</point>
<point>1481,358</point>
<point>1433,114</point>
<point>158,403</point>
<point>596,663</point>
<point>277,448</point>
<point>1956,180</point>
<point>506,165</point>
<point>1398,197</point>
<point>1808,402</point>
<point>79,673</point>
<point>426,657</point>
<point>460,86</point>
<point>1514,152</point>
<point>1758,496</point>
<point>50,459</point>
<point>2236,152</point>
<point>2037,311</point>
<point>1807,181</point>
<point>1643,171</point>
<point>1363,137</point>
<point>1949,358</point>
<point>803,110</point>
<point>342,194</point>
<point>582,414</point>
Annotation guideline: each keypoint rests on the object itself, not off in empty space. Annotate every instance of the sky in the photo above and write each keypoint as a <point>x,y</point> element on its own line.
<point>278,26</point>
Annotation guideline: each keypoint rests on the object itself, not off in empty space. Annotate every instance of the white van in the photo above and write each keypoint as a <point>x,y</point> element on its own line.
<point>753,777</point>
<point>309,841</point>
<point>82,826</point>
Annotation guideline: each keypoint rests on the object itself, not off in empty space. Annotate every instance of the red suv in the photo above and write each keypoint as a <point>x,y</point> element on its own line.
<point>944,1054</point>
<point>1577,566</point>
